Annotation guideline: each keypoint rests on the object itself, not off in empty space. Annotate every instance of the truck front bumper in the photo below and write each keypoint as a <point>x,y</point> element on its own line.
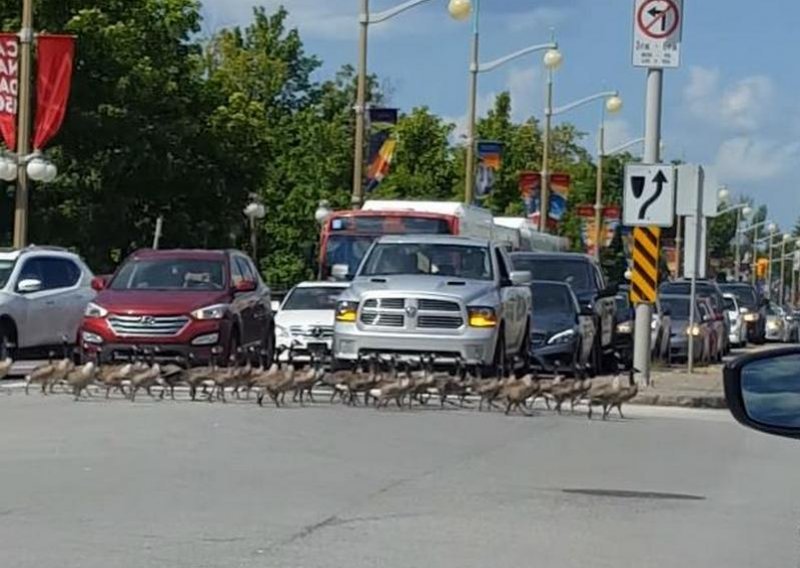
<point>474,345</point>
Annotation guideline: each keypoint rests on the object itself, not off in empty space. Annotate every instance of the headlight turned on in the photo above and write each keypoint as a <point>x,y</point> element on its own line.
<point>215,312</point>
<point>346,311</point>
<point>750,317</point>
<point>482,317</point>
<point>694,330</point>
<point>625,327</point>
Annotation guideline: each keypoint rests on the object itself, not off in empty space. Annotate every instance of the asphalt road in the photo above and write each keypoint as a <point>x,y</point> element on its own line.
<point>114,484</point>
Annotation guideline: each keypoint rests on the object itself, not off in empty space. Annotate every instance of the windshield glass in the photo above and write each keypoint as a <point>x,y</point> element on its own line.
<point>576,273</point>
<point>391,225</point>
<point>346,249</point>
<point>679,307</point>
<point>6,268</point>
<point>728,304</point>
<point>458,261</point>
<point>549,299</point>
<point>170,274</point>
<point>322,298</point>
<point>744,294</point>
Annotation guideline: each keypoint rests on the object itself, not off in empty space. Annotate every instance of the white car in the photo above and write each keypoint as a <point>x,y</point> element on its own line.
<point>305,318</point>
<point>43,294</point>
<point>738,333</point>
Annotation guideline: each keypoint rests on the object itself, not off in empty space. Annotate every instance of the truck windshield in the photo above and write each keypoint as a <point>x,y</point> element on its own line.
<point>170,274</point>
<point>458,261</point>
<point>744,294</point>
<point>322,298</point>
<point>6,268</point>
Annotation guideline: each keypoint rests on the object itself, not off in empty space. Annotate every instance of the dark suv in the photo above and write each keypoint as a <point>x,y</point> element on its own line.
<point>586,279</point>
<point>180,302</point>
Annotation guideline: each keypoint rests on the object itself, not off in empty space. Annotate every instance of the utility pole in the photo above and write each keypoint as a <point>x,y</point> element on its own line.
<point>652,139</point>
<point>544,193</point>
<point>474,68</point>
<point>24,125</point>
<point>598,194</point>
<point>698,240</point>
<point>738,246</point>
<point>357,199</point>
<point>158,232</point>
<point>678,245</point>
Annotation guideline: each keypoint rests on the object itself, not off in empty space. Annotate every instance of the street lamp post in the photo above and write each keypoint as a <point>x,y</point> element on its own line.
<point>772,229</point>
<point>782,291</point>
<point>254,212</point>
<point>794,273</point>
<point>321,216</point>
<point>755,242</point>
<point>742,209</point>
<point>613,104</point>
<point>457,7</point>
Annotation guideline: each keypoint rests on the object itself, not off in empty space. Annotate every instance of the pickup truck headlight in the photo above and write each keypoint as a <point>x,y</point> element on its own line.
<point>95,311</point>
<point>563,337</point>
<point>215,312</point>
<point>346,311</point>
<point>482,317</point>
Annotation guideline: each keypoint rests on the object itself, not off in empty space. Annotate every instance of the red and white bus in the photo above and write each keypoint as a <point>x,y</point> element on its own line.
<point>346,235</point>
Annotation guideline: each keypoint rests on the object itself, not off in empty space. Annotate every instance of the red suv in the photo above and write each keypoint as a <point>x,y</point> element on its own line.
<point>181,301</point>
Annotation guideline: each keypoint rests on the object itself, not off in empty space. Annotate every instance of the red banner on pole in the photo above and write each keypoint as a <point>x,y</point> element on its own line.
<point>55,56</point>
<point>9,88</point>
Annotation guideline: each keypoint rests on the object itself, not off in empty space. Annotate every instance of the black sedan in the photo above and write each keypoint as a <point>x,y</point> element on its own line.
<point>563,333</point>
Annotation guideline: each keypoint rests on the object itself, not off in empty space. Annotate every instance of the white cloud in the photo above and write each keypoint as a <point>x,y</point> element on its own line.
<point>618,132</point>
<point>526,86</point>
<point>739,106</point>
<point>746,159</point>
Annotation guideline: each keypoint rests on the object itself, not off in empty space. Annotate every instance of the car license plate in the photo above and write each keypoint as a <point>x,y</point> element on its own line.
<point>314,346</point>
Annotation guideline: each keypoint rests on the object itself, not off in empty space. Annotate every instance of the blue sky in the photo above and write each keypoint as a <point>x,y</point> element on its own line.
<point>732,104</point>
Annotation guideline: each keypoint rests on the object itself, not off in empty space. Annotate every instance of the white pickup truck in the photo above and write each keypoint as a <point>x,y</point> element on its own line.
<point>451,297</point>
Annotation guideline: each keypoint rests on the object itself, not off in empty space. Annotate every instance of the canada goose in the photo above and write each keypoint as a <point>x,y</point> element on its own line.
<point>603,395</point>
<point>41,374</point>
<point>395,391</point>
<point>79,379</point>
<point>304,384</point>
<point>518,392</point>
<point>146,379</point>
<point>6,362</point>
<point>562,390</point>
<point>112,376</point>
<point>624,395</point>
<point>197,376</point>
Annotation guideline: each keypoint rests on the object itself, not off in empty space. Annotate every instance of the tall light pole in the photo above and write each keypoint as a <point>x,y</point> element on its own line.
<point>456,7</point>
<point>741,209</point>
<point>613,104</point>
<point>254,212</point>
<point>24,127</point>
<point>782,291</point>
<point>794,273</point>
<point>755,242</point>
<point>552,61</point>
<point>773,228</point>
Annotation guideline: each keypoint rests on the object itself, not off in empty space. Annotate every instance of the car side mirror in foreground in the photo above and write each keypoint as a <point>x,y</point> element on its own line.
<point>99,283</point>
<point>245,286</point>
<point>763,391</point>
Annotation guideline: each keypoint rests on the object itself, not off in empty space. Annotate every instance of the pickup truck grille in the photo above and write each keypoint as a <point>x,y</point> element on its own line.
<point>439,322</point>
<point>147,326</point>
<point>382,320</point>
<point>412,313</point>
<point>426,305</point>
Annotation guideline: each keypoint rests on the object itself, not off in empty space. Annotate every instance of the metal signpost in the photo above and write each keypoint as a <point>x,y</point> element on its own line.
<point>657,28</point>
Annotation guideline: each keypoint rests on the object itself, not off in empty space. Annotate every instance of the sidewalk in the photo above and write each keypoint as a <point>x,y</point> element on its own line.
<point>701,389</point>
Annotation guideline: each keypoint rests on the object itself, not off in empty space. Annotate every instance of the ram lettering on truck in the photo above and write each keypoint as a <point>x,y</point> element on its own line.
<point>452,297</point>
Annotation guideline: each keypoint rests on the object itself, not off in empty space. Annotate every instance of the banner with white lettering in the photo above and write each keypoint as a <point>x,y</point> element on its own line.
<point>9,88</point>
<point>55,55</point>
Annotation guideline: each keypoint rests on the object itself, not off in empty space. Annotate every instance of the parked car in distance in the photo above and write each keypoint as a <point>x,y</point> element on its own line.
<point>681,334</point>
<point>738,334</point>
<point>584,275</point>
<point>711,290</point>
<point>180,302</point>
<point>752,307</point>
<point>777,326</point>
<point>304,320</point>
<point>450,297</point>
<point>563,331</point>
<point>44,293</point>
<point>660,328</point>
<point>792,325</point>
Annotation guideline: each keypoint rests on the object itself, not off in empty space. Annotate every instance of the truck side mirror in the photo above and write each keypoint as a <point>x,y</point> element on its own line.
<point>520,277</point>
<point>340,271</point>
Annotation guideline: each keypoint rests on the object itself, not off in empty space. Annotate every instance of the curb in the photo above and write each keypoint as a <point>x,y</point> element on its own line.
<point>682,401</point>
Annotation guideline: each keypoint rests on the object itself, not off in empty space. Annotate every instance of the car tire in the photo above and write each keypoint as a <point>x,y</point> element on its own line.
<point>7,338</point>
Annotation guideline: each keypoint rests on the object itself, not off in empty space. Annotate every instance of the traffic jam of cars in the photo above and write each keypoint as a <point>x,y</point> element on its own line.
<point>417,284</point>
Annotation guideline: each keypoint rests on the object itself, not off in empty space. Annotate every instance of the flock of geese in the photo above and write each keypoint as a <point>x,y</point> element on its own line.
<point>376,380</point>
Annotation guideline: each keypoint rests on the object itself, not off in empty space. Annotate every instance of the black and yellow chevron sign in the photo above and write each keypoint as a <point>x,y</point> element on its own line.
<point>644,279</point>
